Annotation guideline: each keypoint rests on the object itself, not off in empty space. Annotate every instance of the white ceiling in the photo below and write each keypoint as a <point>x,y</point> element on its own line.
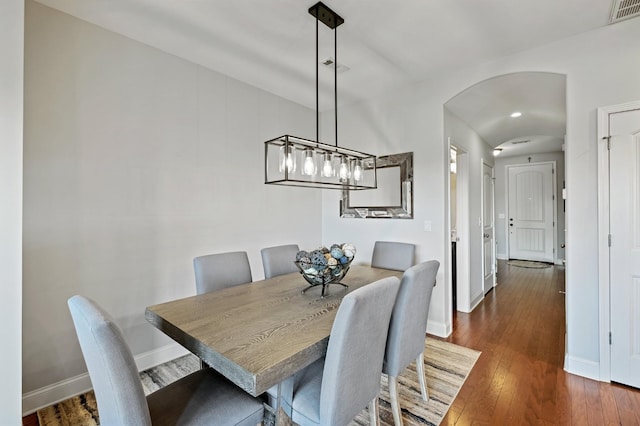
<point>270,44</point>
<point>539,97</point>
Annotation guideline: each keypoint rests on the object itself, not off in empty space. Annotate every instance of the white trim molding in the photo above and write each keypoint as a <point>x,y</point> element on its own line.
<point>65,389</point>
<point>582,367</point>
<point>603,235</point>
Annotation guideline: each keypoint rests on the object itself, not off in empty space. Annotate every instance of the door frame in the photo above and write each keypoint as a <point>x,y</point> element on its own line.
<point>463,248</point>
<point>554,185</point>
<point>603,233</point>
<point>494,270</point>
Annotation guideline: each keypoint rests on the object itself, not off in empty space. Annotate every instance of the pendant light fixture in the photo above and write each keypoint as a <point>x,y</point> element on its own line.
<point>295,161</point>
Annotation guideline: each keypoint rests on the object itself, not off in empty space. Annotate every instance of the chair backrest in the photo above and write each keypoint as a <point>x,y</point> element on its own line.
<point>353,363</point>
<point>392,255</point>
<point>279,260</point>
<point>408,326</point>
<point>216,271</point>
<point>111,366</point>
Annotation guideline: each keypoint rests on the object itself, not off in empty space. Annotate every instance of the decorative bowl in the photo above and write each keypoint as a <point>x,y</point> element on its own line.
<point>324,265</point>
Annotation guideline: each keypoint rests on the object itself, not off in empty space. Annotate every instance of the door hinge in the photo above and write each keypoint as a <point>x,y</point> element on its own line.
<point>608,138</point>
<point>610,338</point>
<point>609,240</point>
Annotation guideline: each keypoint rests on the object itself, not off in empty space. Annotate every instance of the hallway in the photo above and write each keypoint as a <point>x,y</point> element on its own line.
<point>518,379</point>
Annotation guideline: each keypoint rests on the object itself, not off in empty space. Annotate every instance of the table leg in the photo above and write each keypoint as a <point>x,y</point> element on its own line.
<point>283,411</point>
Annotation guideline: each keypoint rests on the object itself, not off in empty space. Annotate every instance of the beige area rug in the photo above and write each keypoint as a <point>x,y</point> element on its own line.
<point>529,264</point>
<point>447,366</point>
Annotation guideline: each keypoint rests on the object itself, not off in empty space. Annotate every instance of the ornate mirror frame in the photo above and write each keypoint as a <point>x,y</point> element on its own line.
<point>404,187</point>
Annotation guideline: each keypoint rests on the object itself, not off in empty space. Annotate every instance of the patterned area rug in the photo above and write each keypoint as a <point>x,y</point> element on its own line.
<point>529,264</point>
<point>447,366</point>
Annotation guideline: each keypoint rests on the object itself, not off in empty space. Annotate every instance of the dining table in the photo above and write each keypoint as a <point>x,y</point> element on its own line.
<point>260,333</point>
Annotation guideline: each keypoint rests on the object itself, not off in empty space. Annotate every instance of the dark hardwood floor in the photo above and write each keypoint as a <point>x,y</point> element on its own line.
<point>518,379</point>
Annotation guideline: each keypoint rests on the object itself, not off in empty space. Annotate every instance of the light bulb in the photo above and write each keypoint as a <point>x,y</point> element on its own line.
<point>357,171</point>
<point>309,167</point>
<point>343,172</point>
<point>287,160</point>
<point>327,167</point>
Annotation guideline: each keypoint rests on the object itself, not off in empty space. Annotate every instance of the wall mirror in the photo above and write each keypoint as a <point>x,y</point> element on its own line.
<point>393,199</point>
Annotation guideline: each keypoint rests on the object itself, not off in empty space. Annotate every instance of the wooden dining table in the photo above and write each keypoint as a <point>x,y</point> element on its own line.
<point>259,334</point>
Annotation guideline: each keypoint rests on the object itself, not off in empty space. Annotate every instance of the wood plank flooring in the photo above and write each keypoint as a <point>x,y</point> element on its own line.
<point>519,380</point>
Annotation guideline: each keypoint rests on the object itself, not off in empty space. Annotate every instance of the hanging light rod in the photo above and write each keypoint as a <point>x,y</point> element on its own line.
<point>295,161</point>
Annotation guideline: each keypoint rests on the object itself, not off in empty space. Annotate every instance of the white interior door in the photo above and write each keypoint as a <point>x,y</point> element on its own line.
<point>488,235</point>
<point>531,212</point>
<point>624,229</point>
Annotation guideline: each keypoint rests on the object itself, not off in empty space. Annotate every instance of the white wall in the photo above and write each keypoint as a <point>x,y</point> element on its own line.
<point>602,68</point>
<point>11,101</point>
<point>502,196</point>
<point>137,161</point>
<point>478,152</point>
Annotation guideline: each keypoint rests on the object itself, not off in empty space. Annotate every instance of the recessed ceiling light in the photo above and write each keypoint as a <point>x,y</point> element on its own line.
<point>497,152</point>
<point>516,114</point>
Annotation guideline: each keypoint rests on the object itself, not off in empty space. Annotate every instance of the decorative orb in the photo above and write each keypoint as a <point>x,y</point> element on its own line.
<point>324,250</point>
<point>332,262</point>
<point>350,247</point>
<point>336,253</point>
<point>319,262</point>
<point>335,246</point>
<point>344,260</point>
<point>301,254</point>
<point>327,256</point>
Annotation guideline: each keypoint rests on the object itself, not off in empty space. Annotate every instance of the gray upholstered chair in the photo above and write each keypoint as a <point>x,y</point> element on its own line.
<point>408,329</point>
<point>392,255</point>
<point>217,271</point>
<point>203,397</point>
<point>334,389</point>
<point>279,260</point>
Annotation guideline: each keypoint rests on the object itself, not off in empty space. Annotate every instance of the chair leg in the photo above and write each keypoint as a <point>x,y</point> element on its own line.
<point>395,401</point>
<point>374,412</point>
<point>421,377</point>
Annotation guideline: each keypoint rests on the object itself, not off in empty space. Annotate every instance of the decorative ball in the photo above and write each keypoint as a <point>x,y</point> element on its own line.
<point>344,260</point>
<point>301,254</point>
<point>324,250</point>
<point>315,253</point>
<point>311,271</point>
<point>350,248</point>
<point>305,262</point>
<point>319,262</point>
<point>332,262</point>
<point>336,252</point>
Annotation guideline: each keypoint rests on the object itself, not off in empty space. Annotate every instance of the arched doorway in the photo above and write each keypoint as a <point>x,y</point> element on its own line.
<point>479,119</point>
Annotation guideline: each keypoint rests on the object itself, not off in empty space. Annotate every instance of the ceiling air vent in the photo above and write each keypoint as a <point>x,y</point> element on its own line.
<point>624,9</point>
<point>519,142</point>
<point>330,63</point>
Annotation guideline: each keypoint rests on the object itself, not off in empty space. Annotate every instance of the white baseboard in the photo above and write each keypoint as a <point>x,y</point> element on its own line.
<point>502,256</point>
<point>582,367</point>
<point>65,389</point>
<point>475,302</point>
<point>439,329</point>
